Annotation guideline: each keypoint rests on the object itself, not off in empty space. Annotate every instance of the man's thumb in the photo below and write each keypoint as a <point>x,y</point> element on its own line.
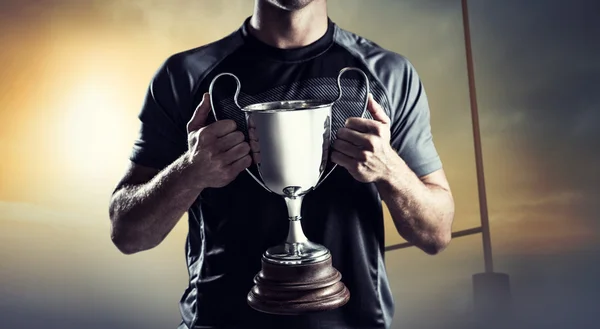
<point>377,111</point>
<point>200,115</point>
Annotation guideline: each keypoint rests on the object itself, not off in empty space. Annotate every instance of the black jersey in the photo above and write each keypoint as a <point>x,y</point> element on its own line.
<point>231,227</point>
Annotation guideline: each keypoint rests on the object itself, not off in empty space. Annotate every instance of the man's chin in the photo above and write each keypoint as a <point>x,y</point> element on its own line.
<point>290,5</point>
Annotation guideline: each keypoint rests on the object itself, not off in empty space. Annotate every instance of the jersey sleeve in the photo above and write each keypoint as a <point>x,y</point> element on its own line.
<point>162,134</point>
<point>411,133</point>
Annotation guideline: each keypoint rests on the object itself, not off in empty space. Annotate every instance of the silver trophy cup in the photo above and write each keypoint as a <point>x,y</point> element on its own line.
<point>290,143</point>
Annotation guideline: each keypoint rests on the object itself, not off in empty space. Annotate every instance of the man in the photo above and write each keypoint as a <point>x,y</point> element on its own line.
<point>185,160</point>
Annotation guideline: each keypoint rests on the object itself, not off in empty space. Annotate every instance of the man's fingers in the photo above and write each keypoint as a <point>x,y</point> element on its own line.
<point>366,126</point>
<point>241,163</point>
<point>222,128</point>
<point>230,140</point>
<point>235,153</point>
<point>200,115</point>
<point>354,137</point>
<point>347,148</point>
<point>255,146</point>
<point>252,135</point>
<point>342,159</point>
<point>377,111</point>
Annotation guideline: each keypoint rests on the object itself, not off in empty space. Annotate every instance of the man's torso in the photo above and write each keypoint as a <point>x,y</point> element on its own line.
<point>231,227</point>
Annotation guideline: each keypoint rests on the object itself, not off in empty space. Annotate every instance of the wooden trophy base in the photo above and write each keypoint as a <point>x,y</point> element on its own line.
<point>297,289</point>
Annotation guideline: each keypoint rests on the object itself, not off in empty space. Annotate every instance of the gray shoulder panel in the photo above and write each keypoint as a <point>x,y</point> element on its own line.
<point>405,100</point>
<point>379,62</point>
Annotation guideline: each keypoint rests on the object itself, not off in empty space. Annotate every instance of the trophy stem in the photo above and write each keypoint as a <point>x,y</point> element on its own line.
<point>295,232</point>
<point>294,205</point>
<point>297,276</point>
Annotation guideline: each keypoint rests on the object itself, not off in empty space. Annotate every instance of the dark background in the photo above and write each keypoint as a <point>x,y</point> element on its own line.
<point>72,78</point>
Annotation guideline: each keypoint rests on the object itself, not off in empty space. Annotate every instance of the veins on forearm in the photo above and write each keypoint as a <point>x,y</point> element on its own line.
<point>145,212</point>
<point>421,212</point>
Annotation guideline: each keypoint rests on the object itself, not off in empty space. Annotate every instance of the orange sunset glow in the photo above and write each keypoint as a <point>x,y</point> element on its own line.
<point>73,78</point>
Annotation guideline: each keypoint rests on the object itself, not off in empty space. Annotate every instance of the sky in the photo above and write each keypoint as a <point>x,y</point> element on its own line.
<point>73,76</point>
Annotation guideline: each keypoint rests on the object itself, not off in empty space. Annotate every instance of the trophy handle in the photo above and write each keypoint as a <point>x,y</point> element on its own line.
<point>364,112</point>
<point>235,100</point>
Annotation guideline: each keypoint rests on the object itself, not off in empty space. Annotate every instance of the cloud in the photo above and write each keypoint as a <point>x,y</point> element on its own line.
<point>537,58</point>
<point>537,70</point>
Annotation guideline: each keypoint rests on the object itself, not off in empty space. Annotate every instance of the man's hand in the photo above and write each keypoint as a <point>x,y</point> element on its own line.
<point>363,146</point>
<point>217,151</point>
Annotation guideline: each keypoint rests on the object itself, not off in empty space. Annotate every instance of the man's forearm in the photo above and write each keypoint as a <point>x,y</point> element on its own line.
<point>422,212</point>
<point>143,214</point>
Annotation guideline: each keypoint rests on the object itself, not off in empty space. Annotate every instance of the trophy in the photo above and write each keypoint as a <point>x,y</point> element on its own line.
<point>290,143</point>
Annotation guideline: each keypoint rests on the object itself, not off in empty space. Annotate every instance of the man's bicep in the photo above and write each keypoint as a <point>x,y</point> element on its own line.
<point>411,128</point>
<point>157,146</point>
<point>162,135</point>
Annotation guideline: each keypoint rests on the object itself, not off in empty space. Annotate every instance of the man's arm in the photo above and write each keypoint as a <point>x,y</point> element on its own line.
<point>422,209</point>
<point>147,204</point>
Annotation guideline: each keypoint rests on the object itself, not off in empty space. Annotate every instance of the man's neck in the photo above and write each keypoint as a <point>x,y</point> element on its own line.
<point>288,30</point>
